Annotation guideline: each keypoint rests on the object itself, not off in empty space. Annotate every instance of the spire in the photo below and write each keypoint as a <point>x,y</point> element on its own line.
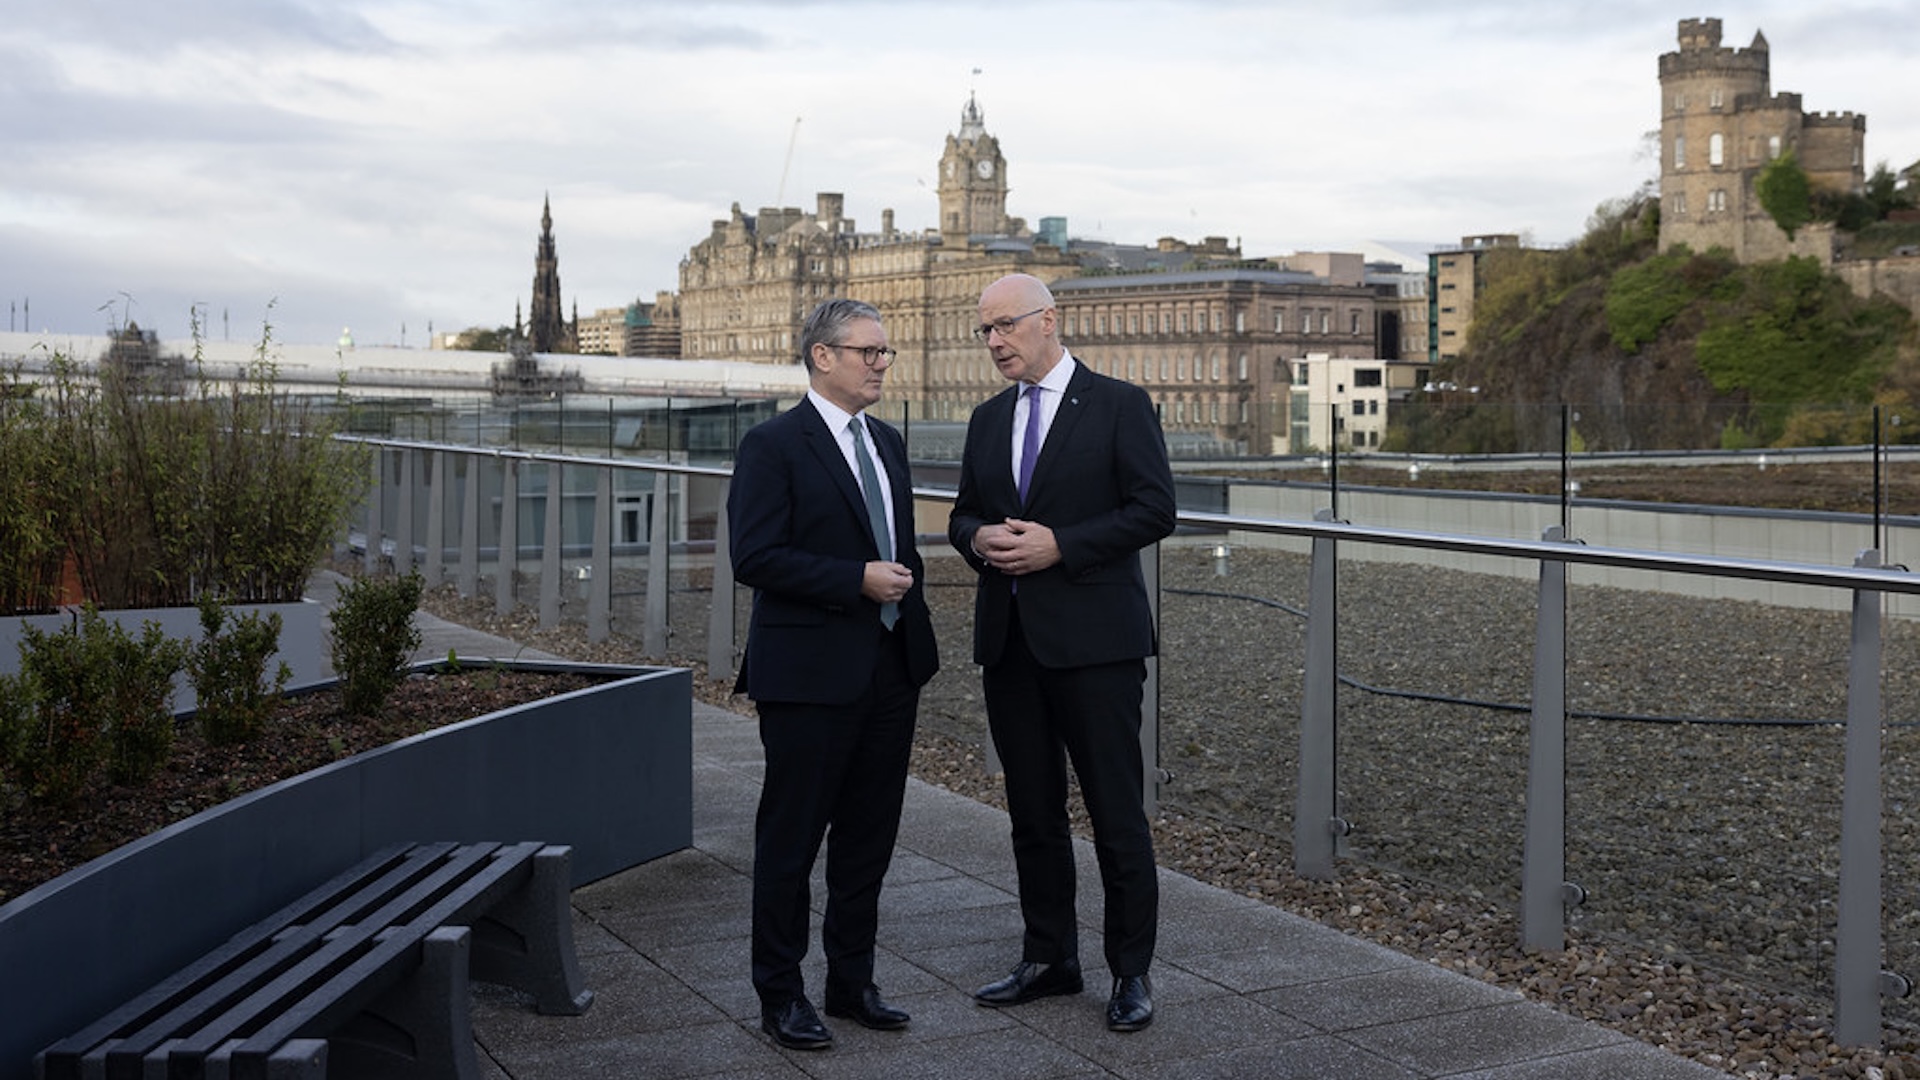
<point>1759,42</point>
<point>972,124</point>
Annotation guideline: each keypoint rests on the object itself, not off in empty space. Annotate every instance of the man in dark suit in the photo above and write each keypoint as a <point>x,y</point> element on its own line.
<point>1063,481</point>
<point>821,527</point>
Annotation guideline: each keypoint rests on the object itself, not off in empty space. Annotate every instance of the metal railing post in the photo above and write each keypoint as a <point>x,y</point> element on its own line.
<point>470,528</point>
<point>1315,823</point>
<point>509,559</point>
<point>655,642</point>
<point>1543,913</point>
<point>403,513</point>
<point>550,569</point>
<point>720,620</point>
<point>1856,959</point>
<point>600,570</point>
<point>436,555</point>
<point>376,495</point>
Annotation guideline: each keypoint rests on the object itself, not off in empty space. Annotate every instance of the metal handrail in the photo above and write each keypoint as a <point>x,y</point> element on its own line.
<point>1858,978</point>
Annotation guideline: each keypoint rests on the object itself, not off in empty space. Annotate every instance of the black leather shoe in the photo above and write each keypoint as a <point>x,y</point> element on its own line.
<point>795,1026</point>
<point>1131,1006</point>
<point>866,1009</point>
<point>1029,980</point>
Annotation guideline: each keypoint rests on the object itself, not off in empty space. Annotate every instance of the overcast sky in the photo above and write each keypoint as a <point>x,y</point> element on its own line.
<point>380,165</point>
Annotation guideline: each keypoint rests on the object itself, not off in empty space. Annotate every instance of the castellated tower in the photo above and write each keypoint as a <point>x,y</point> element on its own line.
<point>1720,125</point>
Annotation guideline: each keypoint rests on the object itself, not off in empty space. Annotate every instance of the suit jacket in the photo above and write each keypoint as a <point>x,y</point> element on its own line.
<point>1102,484</point>
<point>799,533</point>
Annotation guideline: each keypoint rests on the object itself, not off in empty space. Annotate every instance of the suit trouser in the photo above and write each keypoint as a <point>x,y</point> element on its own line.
<point>1040,717</point>
<point>838,773</point>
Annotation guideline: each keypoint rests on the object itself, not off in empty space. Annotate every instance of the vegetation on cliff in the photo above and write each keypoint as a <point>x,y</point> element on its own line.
<point>1667,350</point>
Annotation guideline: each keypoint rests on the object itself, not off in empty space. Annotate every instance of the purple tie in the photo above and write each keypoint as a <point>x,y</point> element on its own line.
<point>1030,446</point>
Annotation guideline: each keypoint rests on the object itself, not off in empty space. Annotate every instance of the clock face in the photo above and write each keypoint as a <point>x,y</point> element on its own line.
<point>985,169</point>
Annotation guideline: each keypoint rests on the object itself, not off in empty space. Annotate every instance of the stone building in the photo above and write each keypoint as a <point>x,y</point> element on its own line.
<point>1214,347</point>
<point>1453,281</point>
<point>1720,125</point>
<point>1206,331</point>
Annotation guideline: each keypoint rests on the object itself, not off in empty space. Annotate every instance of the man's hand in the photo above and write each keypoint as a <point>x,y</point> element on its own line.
<point>1017,546</point>
<point>886,582</point>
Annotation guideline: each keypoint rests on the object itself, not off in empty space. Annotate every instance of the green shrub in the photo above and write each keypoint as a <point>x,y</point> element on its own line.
<point>16,712</point>
<point>31,548</point>
<point>371,637</point>
<point>160,489</point>
<point>94,692</point>
<point>228,670</point>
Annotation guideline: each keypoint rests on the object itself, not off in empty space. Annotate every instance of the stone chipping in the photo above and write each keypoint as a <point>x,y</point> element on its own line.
<point>1704,753</point>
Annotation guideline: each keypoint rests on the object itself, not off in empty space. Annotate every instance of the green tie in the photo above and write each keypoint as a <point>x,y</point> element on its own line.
<point>876,512</point>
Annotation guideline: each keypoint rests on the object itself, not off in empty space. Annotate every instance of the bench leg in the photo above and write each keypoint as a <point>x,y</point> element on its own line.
<point>526,941</point>
<point>422,1028</point>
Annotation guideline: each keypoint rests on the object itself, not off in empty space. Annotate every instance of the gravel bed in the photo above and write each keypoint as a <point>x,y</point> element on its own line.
<point>1708,850</point>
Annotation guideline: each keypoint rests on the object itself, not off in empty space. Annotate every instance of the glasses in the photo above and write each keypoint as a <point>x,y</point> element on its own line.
<point>870,355</point>
<point>1005,326</point>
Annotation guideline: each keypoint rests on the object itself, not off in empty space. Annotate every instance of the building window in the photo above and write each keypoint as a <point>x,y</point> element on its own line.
<point>1299,374</point>
<point>1716,150</point>
<point>1279,322</point>
<point>1713,98</point>
<point>1366,377</point>
<point>1183,322</point>
<point>1243,367</point>
<point>1353,322</point>
<point>1679,151</point>
<point>1773,147</point>
<point>1679,204</point>
<point>1326,322</point>
<point>1717,201</point>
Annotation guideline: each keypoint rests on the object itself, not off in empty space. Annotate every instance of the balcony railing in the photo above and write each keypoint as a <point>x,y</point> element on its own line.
<point>1545,722</point>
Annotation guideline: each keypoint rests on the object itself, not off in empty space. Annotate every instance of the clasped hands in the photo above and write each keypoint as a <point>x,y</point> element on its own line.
<point>1016,546</point>
<point>885,582</point>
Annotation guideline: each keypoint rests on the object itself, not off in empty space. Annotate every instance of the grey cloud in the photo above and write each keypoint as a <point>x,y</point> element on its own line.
<point>138,27</point>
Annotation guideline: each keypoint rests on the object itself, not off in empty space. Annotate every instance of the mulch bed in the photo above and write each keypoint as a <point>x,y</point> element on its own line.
<point>39,842</point>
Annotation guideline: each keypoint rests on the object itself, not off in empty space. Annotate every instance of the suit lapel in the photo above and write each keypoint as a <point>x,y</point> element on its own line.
<point>825,447</point>
<point>997,470</point>
<point>1059,433</point>
<point>893,457</point>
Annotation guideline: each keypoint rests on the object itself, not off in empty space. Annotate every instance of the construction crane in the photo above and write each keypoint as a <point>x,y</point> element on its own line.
<point>780,198</point>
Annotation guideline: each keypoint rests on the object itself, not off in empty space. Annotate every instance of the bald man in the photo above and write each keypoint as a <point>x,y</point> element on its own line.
<point>1063,481</point>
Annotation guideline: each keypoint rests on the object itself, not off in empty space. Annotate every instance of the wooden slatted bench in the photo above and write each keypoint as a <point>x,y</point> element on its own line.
<point>365,976</point>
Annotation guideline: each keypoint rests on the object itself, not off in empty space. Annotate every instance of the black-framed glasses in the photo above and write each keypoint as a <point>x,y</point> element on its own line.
<point>870,355</point>
<point>1005,326</point>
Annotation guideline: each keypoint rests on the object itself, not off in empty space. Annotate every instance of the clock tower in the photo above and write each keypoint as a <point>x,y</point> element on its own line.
<point>973,182</point>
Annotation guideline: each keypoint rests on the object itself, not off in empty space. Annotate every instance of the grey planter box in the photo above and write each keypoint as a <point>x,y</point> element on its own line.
<point>608,770</point>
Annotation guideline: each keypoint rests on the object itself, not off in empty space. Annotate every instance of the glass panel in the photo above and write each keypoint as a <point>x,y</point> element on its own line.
<point>1435,665</point>
<point>1704,757</point>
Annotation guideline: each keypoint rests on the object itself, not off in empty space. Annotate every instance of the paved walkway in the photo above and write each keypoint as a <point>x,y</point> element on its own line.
<point>1241,989</point>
